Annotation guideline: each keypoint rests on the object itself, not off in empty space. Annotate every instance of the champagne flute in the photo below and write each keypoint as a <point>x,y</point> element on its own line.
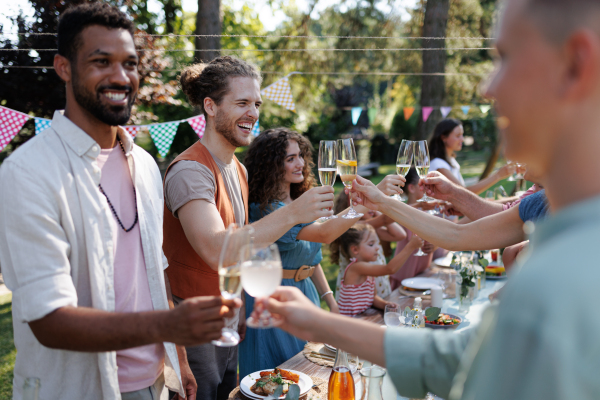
<point>404,161</point>
<point>422,163</point>
<point>346,167</point>
<point>327,166</point>
<point>261,275</point>
<point>236,241</point>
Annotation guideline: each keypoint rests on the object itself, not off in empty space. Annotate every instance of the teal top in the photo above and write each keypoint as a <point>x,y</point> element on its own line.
<point>540,342</point>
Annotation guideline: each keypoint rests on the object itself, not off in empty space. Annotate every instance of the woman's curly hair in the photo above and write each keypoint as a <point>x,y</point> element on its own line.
<point>265,164</point>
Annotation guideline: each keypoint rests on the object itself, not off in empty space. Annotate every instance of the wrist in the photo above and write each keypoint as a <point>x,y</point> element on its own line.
<point>326,293</point>
<point>161,327</point>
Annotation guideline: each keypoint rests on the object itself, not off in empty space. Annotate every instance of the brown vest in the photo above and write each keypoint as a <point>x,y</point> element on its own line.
<point>188,273</point>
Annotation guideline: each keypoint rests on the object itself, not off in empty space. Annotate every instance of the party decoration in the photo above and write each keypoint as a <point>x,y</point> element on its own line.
<point>255,129</point>
<point>465,109</point>
<point>281,93</point>
<point>356,111</point>
<point>42,124</point>
<point>371,113</point>
<point>198,123</point>
<point>132,129</point>
<point>485,108</point>
<point>408,111</point>
<point>11,122</point>
<point>445,111</point>
<point>163,135</point>
<point>426,113</point>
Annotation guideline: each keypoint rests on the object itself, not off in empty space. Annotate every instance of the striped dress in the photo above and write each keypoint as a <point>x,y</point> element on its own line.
<point>354,299</point>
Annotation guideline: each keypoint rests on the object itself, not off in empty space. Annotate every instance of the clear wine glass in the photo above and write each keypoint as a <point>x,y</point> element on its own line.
<point>261,275</point>
<point>422,161</point>
<point>327,166</point>
<point>404,161</point>
<point>236,241</point>
<point>420,252</point>
<point>391,315</point>
<point>347,167</point>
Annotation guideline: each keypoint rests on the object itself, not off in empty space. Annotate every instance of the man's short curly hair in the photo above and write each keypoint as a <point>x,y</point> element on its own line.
<point>200,81</point>
<point>75,19</point>
<point>265,164</point>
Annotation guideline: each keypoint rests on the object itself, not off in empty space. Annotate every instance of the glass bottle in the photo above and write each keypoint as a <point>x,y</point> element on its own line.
<point>372,381</point>
<point>31,389</point>
<point>419,321</point>
<point>341,382</point>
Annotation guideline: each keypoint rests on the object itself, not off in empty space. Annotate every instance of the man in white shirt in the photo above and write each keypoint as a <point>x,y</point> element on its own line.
<point>81,212</point>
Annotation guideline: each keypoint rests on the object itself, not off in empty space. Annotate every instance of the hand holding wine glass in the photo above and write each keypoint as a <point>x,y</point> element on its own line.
<point>404,160</point>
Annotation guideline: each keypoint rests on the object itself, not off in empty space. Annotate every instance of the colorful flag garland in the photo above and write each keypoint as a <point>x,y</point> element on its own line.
<point>11,122</point>
<point>41,124</point>
<point>281,93</point>
<point>426,111</point>
<point>198,124</point>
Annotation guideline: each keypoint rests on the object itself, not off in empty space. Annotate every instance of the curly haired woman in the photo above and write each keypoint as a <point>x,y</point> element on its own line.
<point>280,169</point>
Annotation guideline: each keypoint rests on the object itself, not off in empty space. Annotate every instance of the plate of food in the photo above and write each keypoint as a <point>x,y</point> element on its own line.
<point>495,272</point>
<point>420,283</point>
<point>444,321</point>
<point>262,384</point>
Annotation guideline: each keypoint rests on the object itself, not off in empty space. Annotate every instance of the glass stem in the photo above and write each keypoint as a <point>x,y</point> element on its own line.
<point>351,206</point>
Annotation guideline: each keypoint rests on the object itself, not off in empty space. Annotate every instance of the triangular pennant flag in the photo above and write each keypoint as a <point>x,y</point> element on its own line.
<point>42,124</point>
<point>11,122</point>
<point>445,111</point>
<point>132,129</point>
<point>256,129</point>
<point>465,109</point>
<point>356,111</point>
<point>281,93</point>
<point>426,113</point>
<point>485,108</point>
<point>408,111</point>
<point>371,113</point>
<point>198,124</point>
<point>163,135</point>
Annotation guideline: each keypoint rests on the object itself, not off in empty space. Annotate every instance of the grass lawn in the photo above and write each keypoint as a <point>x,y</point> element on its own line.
<point>472,164</point>
<point>7,347</point>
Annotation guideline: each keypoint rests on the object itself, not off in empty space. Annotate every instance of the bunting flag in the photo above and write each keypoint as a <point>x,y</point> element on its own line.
<point>465,109</point>
<point>485,108</point>
<point>426,113</point>
<point>356,111</point>
<point>256,129</point>
<point>163,135</point>
<point>42,124</point>
<point>11,122</point>
<point>132,129</point>
<point>281,93</point>
<point>371,113</point>
<point>445,111</point>
<point>408,111</point>
<point>198,123</point>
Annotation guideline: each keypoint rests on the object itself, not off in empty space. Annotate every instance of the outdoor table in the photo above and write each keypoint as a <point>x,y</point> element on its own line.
<point>450,305</point>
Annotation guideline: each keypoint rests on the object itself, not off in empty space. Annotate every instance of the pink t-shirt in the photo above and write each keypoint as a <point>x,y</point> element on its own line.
<point>139,367</point>
<point>413,266</point>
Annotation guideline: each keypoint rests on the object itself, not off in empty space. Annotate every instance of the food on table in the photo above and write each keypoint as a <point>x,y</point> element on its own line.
<point>495,271</point>
<point>443,319</point>
<point>269,380</point>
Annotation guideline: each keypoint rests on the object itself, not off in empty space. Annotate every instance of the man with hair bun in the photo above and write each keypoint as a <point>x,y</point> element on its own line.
<point>81,240</point>
<point>206,190</point>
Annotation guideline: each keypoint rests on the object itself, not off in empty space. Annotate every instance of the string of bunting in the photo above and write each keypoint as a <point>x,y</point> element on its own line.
<point>162,134</point>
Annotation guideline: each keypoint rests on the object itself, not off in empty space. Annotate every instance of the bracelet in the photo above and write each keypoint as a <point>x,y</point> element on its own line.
<point>326,293</point>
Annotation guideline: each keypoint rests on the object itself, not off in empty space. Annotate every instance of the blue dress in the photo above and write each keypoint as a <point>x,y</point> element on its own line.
<point>268,348</point>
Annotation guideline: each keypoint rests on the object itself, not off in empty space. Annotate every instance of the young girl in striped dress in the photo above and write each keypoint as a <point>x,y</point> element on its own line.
<point>360,245</point>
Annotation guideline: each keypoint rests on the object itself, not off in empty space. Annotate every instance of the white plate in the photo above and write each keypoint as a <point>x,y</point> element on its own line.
<point>304,382</point>
<point>495,277</point>
<point>330,347</point>
<point>443,262</point>
<point>419,283</point>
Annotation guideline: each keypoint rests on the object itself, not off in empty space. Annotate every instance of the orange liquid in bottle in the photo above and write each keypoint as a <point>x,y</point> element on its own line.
<point>341,384</point>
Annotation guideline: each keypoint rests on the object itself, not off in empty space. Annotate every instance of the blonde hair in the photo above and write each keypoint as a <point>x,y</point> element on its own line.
<point>351,237</point>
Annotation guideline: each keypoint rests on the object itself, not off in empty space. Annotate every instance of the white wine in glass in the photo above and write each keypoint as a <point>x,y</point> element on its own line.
<point>404,160</point>
<point>347,167</point>
<point>327,166</point>
<point>422,161</point>
<point>261,275</point>
<point>237,240</point>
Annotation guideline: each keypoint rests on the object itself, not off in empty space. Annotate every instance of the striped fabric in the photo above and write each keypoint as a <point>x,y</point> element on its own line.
<point>354,299</point>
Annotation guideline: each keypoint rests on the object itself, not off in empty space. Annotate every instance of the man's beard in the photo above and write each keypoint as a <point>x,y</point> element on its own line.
<point>110,115</point>
<point>226,127</point>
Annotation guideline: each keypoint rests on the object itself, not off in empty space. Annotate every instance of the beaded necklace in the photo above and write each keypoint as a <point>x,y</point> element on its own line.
<point>111,206</point>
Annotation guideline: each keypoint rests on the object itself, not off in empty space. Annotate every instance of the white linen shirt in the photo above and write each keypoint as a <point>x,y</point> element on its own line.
<point>56,250</point>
